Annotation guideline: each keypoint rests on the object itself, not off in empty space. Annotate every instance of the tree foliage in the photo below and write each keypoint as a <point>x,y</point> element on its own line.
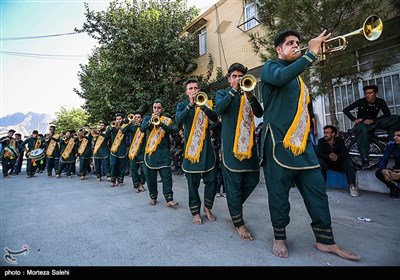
<point>310,18</point>
<point>74,118</point>
<point>142,55</point>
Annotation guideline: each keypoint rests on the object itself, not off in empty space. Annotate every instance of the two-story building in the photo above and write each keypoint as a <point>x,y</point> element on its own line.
<point>223,33</point>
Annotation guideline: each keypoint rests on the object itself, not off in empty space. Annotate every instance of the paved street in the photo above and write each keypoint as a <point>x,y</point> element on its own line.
<point>69,222</point>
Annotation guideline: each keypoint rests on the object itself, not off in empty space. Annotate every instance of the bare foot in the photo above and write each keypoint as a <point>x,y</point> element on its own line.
<point>153,202</point>
<point>209,214</point>
<point>337,250</point>
<point>197,219</point>
<point>279,249</point>
<point>137,190</point>
<point>244,233</point>
<point>172,203</point>
<point>142,188</point>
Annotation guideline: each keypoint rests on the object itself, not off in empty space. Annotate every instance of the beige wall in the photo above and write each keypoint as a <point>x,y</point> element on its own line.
<point>232,44</point>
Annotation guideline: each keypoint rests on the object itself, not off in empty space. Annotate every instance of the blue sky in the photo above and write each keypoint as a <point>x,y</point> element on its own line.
<point>43,85</point>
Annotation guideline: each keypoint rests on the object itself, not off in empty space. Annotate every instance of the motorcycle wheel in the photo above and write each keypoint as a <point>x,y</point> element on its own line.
<point>376,150</point>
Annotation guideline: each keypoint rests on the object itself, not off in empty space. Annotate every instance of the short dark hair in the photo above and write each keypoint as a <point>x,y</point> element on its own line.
<point>103,122</point>
<point>191,81</point>
<point>18,134</point>
<point>35,132</point>
<point>374,87</point>
<point>119,115</point>
<point>237,67</point>
<point>280,37</point>
<point>52,126</point>
<point>333,128</point>
<point>12,130</point>
<point>158,100</point>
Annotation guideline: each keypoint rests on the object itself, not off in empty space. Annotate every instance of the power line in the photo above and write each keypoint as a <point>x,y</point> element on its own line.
<point>48,56</point>
<point>38,37</point>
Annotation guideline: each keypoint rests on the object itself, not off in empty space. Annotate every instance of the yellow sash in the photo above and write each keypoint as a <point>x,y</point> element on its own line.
<point>297,134</point>
<point>99,141</point>
<point>83,145</point>
<point>197,134</point>
<point>37,144</point>
<point>244,135</point>
<point>156,136</point>
<point>52,145</point>
<point>136,141</point>
<point>117,140</point>
<point>68,148</point>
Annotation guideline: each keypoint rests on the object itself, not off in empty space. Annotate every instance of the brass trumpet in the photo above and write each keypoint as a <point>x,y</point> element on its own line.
<point>131,117</point>
<point>201,98</point>
<point>64,138</point>
<point>372,30</point>
<point>113,124</point>
<point>248,82</point>
<point>155,120</point>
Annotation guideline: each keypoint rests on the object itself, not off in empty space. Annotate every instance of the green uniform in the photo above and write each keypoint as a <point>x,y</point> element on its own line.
<point>102,155</point>
<point>136,164</point>
<point>118,158</point>
<point>54,156</point>
<point>240,176</point>
<point>68,162</point>
<point>31,164</point>
<point>84,157</point>
<point>281,91</point>
<point>159,160</point>
<point>205,168</point>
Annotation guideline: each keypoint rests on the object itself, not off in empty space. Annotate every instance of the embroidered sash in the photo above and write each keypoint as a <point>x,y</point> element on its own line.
<point>68,149</point>
<point>136,141</point>
<point>83,145</point>
<point>197,134</point>
<point>37,144</point>
<point>155,136</point>
<point>52,145</point>
<point>117,140</point>
<point>296,136</point>
<point>99,141</point>
<point>244,135</point>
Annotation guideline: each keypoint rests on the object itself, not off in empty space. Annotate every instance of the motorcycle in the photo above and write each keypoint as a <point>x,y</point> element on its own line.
<point>377,145</point>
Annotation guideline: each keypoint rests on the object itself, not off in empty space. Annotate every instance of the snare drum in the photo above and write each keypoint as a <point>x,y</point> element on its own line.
<point>37,154</point>
<point>11,152</point>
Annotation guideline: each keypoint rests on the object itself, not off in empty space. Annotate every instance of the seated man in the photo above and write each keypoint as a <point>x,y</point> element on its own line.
<point>391,176</point>
<point>333,154</point>
<point>367,119</point>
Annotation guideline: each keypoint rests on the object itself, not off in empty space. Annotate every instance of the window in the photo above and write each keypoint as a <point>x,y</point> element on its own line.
<point>202,41</point>
<point>250,15</point>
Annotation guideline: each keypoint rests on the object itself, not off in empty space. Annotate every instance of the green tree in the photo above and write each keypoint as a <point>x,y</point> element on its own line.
<point>142,55</point>
<point>75,119</point>
<point>310,18</point>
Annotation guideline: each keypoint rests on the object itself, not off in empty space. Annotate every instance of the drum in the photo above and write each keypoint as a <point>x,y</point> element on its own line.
<point>37,154</point>
<point>11,152</point>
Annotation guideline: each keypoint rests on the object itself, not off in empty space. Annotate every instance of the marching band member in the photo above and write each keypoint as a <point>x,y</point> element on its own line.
<point>7,159</point>
<point>20,158</point>
<point>199,156</point>
<point>84,151</point>
<point>118,150</point>
<point>33,144</point>
<point>52,151</point>
<point>101,151</point>
<point>240,167</point>
<point>136,153</point>
<point>157,156</point>
<point>68,154</point>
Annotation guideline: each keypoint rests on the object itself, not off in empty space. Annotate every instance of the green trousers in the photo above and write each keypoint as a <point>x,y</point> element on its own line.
<point>238,187</point>
<point>311,185</point>
<point>166,178</point>
<point>210,181</point>
<point>364,132</point>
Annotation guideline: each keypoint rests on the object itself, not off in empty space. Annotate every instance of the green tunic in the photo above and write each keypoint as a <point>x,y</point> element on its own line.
<point>122,150</point>
<point>104,150</point>
<point>185,115</point>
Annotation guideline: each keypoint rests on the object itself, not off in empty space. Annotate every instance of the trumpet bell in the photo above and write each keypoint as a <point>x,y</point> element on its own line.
<point>156,120</point>
<point>372,28</point>
<point>113,124</point>
<point>201,98</point>
<point>131,117</point>
<point>248,82</point>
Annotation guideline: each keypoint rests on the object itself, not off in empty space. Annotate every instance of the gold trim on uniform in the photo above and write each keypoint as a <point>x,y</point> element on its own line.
<point>244,135</point>
<point>136,141</point>
<point>156,136</point>
<point>117,140</point>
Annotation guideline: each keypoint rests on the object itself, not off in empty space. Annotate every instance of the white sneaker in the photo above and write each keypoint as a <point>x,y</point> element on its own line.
<point>353,190</point>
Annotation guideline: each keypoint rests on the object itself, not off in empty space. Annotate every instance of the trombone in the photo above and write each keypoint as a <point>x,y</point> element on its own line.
<point>201,98</point>
<point>371,29</point>
<point>248,82</point>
